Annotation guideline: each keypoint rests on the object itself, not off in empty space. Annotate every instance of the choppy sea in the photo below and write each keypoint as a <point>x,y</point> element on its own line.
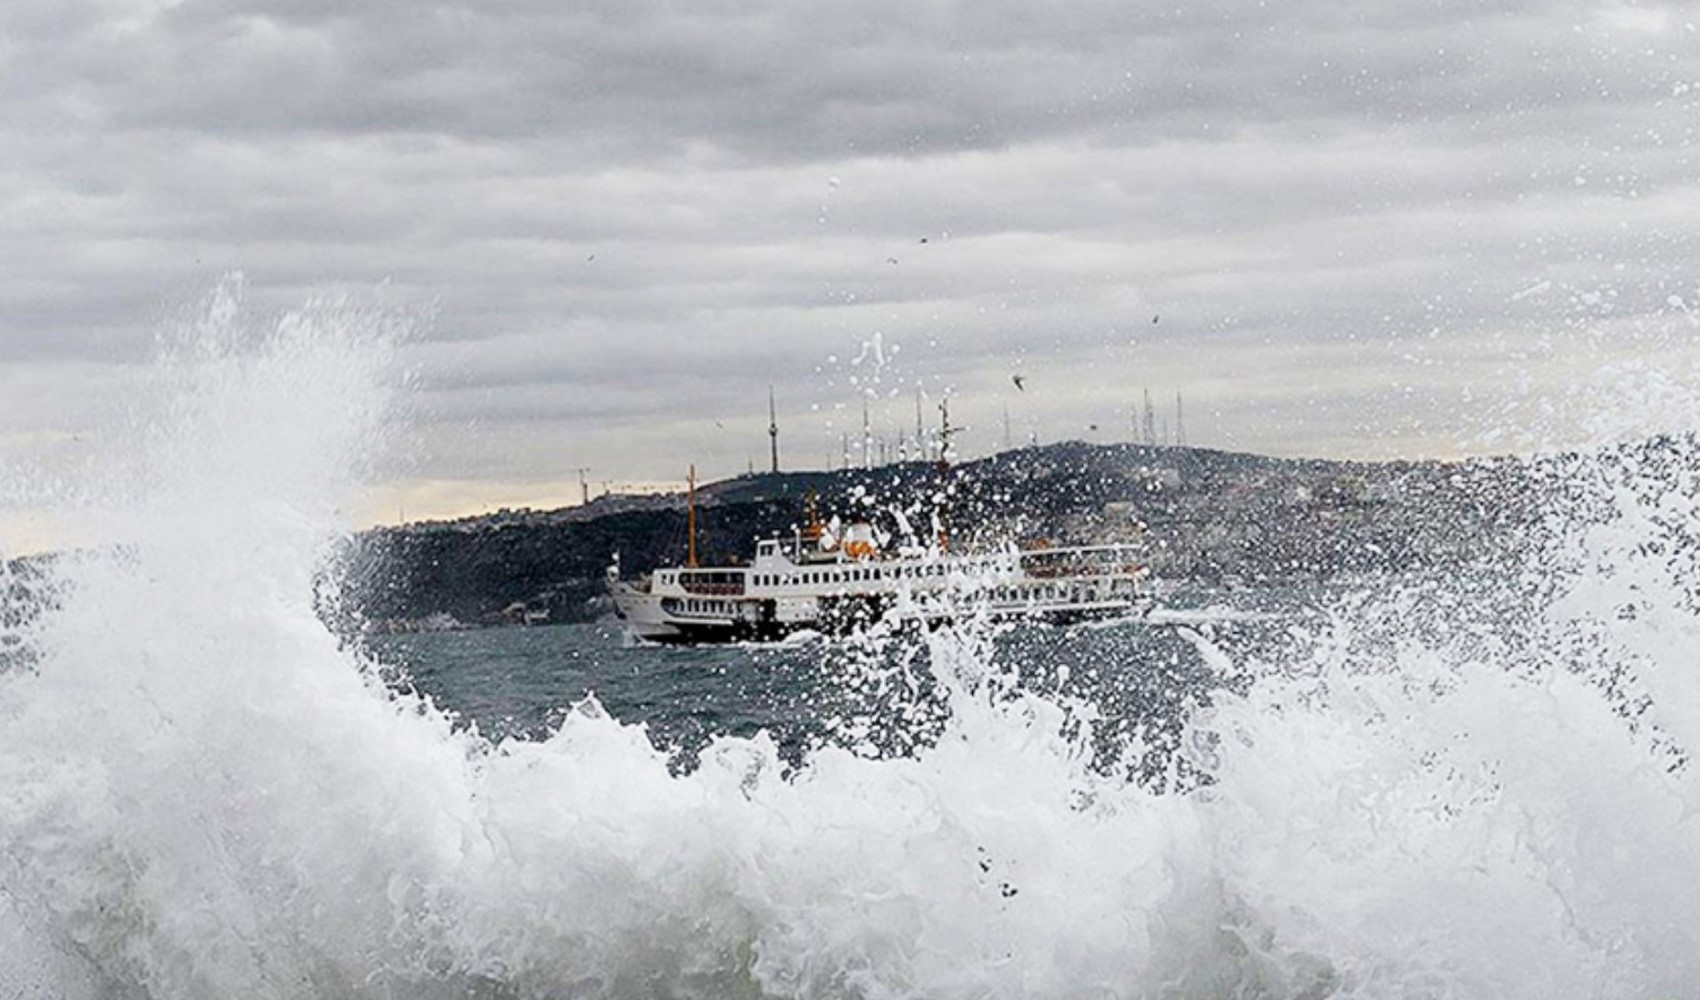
<point>874,694</point>
<point>1476,785</point>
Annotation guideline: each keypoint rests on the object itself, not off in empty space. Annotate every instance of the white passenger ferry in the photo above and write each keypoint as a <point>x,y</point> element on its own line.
<point>818,580</point>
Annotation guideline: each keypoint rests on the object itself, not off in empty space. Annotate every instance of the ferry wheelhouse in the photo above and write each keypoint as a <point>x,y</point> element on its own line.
<point>820,581</point>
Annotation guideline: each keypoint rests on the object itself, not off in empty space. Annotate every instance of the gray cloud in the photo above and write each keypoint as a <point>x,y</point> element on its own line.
<point>630,217</point>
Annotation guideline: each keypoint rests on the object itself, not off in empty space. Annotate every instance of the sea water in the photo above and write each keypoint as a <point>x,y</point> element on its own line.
<point>1469,787</point>
<point>521,682</point>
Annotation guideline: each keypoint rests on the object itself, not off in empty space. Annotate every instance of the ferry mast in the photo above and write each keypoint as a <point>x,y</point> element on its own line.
<point>691,521</point>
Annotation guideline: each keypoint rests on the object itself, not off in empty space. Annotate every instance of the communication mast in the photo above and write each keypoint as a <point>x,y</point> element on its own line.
<point>867,438</point>
<point>920,430</point>
<point>773,428</point>
<point>946,432</point>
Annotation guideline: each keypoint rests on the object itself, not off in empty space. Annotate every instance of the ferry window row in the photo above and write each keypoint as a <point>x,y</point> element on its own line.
<point>845,576</point>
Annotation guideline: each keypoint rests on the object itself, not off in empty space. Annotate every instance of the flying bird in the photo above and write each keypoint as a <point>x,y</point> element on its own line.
<point>1019,380</point>
<point>1154,319</point>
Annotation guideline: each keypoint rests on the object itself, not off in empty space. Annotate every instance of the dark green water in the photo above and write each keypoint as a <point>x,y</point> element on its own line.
<point>1139,676</point>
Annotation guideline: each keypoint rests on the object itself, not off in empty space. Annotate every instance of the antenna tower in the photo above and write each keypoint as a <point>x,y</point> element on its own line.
<point>773,428</point>
<point>946,432</point>
<point>867,438</point>
<point>920,429</point>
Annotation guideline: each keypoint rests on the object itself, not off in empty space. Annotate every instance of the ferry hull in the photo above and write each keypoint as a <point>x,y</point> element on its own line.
<point>647,619</point>
<point>707,634</point>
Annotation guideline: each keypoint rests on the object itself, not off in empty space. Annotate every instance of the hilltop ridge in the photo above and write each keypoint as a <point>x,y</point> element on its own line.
<point>1203,515</point>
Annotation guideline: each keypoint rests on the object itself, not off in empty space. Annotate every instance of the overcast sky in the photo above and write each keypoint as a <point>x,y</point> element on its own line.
<point>1400,228</point>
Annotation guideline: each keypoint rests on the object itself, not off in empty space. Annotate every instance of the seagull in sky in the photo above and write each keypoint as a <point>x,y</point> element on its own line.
<point>1018,380</point>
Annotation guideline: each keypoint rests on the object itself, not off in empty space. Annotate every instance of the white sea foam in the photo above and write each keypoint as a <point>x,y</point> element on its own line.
<point>1433,794</point>
<point>1206,615</point>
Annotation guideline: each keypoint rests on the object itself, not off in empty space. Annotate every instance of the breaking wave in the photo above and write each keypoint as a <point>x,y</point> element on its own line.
<point>1480,788</point>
